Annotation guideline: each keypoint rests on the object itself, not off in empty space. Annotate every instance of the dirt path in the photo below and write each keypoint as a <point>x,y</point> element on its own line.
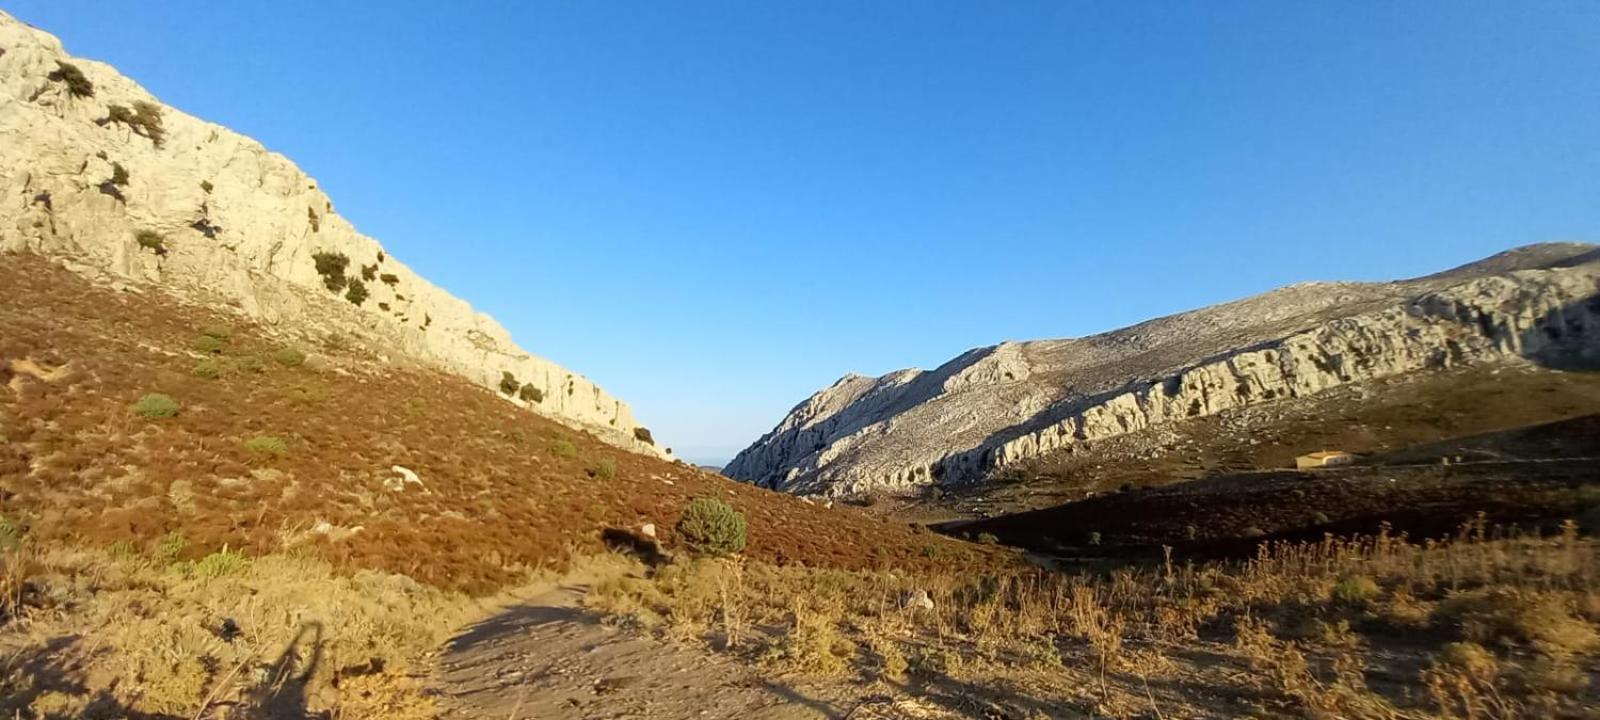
<point>549,658</point>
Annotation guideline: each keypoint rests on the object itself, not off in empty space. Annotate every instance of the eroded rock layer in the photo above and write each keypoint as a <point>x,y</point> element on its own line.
<point>995,407</point>
<point>98,173</point>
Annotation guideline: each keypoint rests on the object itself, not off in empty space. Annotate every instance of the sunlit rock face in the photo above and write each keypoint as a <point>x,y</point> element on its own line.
<point>195,209</point>
<point>994,407</point>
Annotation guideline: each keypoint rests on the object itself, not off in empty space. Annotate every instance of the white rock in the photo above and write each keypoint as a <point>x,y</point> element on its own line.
<point>994,407</point>
<point>240,226</point>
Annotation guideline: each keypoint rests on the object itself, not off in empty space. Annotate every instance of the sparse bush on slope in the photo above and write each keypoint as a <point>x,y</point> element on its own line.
<point>712,527</point>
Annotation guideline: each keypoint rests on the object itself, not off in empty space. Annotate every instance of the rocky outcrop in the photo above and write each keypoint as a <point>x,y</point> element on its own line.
<point>98,173</point>
<point>998,406</point>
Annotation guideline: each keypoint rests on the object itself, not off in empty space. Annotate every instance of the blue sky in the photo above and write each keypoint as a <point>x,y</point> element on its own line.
<point>715,208</point>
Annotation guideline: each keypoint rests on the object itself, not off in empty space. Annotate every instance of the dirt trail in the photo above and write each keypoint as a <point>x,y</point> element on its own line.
<point>549,658</point>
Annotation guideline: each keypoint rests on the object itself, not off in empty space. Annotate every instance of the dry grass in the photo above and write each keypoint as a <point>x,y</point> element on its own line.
<point>1483,625</point>
<point>268,635</point>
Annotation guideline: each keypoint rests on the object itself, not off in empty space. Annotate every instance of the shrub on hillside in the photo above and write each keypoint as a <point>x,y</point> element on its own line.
<point>357,292</point>
<point>209,368</point>
<point>605,468</point>
<point>390,279</point>
<point>642,434</point>
<point>210,344</point>
<point>266,445</point>
<point>508,383</point>
<point>529,393</point>
<point>119,175</point>
<point>10,534</point>
<point>156,406</point>
<point>564,448</point>
<point>331,267</point>
<point>289,357</point>
<point>144,118</point>
<point>712,527</point>
<point>77,84</point>
<point>151,240</point>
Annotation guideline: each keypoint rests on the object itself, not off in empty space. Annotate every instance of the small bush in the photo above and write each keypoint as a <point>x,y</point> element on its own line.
<point>357,292</point>
<point>77,84</point>
<point>217,564</point>
<point>151,240</point>
<point>564,448</point>
<point>156,406</point>
<point>988,539</point>
<point>170,547</point>
<point>144,118</point>
<point>289,357</point>
<point>529,393</point>
<point>266,445</point>
<point>1355,590</point>
<point>207,186</point>
<point>642,434</point>
<point>209,368</point>
<point>209,344</point>
<point>389,279</point>
<point>331,267</point>
<point>10,534</point>
<point>711,527</point>
<point>605,468</point>
<point>119,175</point>
<point>508,383</point>
<point>369,272</point>
<point>217,330</point>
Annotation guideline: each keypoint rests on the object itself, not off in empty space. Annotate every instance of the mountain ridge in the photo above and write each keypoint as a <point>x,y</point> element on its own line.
<point>997,405</point>
<point>97,173</point>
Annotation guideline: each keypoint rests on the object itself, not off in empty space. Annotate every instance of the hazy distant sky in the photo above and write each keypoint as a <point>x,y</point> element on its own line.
<point>715,208</point>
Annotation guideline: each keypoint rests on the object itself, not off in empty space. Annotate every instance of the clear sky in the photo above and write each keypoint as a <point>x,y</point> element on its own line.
<point>715,208</point>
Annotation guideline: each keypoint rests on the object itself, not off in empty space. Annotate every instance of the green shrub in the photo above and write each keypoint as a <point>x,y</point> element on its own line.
<point>605,468</point>
<point>1355,589</point>
<point>207,186</point>
<point>151,240</point>
<point>357,292</point>
<point>119,175</point>
<point>289,357</point>
<point>77,84</point>
<point>389,279</point>
<point>930,550</point>
<point>170,547</point>
<point>10,534</point>
<point>217,330</point>
<point>508,383</point>
<point>209,344</point>
<point>369,272</point>
<point>642,434</point>
<point>988,539</point>
<point>144,118</point>
<point>122,550</point>
<point>529,393</point>
<point>218,564</point>
<point>563,447</point>
<point>209,368</point>
<point>331,267</point>
<point>711,527</point>
<point>266,445</point>
<point>155,406</point>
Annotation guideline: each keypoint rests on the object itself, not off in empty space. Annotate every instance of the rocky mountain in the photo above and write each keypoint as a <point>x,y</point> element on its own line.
<point>99,174</point>
<point>998,406</point>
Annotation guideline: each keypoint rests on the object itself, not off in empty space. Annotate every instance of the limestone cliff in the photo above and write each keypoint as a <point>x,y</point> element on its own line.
<point>98,173</point>
<point>997,406</point>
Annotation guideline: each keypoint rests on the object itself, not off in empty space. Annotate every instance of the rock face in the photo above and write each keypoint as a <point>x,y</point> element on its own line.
<point>994,407</point>
<point>98,173</point>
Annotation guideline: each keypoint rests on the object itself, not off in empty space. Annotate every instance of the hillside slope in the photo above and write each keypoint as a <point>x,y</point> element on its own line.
<point>998,406</point>
<point>96,171</point>
<point>267,453</point>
